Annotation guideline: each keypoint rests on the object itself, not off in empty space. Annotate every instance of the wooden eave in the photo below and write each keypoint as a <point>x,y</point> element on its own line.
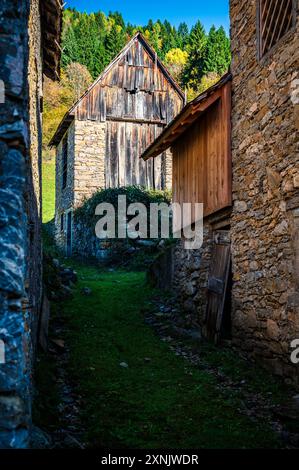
<point>51,24</point>
<point>69,115</point>
<point>185,119</point>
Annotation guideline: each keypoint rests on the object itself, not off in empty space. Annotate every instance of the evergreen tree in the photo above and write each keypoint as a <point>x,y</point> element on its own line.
<point>94,40</point>
<point>118,19</point>
<point>156,38</point>
<point>197,51</point>
<point>168,38</point>
<point>115,41</point>
<point>70,47</point>
<point>183,36</point>
<point>217,58</point>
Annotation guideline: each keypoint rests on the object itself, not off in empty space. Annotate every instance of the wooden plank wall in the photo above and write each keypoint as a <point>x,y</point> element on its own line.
<point>125,142</point>
<point>202,169</point>
<point>136,101</point>
<point>135,87</point>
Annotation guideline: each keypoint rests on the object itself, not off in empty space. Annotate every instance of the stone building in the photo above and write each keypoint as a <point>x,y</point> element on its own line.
<point>265,218</point>
<point>101,138</point>
<point>29,46</point>
<point>261,230</point>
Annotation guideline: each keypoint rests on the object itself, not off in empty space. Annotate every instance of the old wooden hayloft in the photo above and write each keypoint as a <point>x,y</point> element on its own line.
<point>101,138</point>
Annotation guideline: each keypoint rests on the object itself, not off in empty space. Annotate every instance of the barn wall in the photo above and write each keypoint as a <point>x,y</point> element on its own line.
<point>125,143</point>
<point>134,88</point>
<point>202,158</point>
<point>137,101</point>
<point>118,118</point>
<point>265,192</point>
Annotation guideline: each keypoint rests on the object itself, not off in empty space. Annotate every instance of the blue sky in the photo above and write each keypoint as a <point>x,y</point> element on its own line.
<point>139,11</point>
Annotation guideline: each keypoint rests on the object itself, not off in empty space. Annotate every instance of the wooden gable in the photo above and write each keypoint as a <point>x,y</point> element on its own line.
<point>136,86</point>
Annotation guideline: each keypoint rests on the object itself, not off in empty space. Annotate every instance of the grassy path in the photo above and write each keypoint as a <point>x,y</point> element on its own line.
<point>159,400</point>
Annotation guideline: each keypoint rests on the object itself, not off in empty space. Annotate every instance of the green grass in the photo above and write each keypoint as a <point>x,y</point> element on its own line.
<point>165,402</point>
<point>48,189</point>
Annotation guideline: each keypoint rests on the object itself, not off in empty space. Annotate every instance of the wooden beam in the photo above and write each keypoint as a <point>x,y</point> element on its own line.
<point>136,120</point>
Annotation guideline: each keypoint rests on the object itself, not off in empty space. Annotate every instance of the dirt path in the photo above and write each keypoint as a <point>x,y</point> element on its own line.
<point>141,386</point>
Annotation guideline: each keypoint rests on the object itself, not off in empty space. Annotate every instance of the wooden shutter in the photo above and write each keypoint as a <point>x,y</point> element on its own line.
<point>275,20</point>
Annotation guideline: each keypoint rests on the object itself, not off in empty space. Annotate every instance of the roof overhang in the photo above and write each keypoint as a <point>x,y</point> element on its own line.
<point>51,23</point>
<point>185,119</point>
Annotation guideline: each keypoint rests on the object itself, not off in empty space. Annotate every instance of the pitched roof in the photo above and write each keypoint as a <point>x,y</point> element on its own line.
<point>185,119</point>
<point>69,116</point>
<point>51,21</point>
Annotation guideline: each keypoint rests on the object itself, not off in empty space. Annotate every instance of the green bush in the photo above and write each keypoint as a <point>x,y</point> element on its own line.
<point>86,213</point>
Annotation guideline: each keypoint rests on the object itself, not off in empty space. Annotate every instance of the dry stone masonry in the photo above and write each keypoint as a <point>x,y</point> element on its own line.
<point>21,68</point>
<point>264,226</point>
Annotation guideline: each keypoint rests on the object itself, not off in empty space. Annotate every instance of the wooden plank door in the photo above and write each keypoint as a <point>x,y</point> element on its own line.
<point>217,285</point>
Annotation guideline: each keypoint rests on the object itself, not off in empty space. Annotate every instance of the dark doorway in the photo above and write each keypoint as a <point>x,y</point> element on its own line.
<point>69,234</point>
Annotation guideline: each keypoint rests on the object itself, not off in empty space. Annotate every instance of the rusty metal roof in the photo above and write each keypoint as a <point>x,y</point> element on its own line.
<point>185,119</point>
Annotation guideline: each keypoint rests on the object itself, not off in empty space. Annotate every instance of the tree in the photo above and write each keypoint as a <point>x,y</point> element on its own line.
<point>183,36</point>
<point>197,50</point>
<point>115,41</point>
<point>78,79</point>
<point>218,56</point>
<point>118,19</point>
<point>176,60</point>
<point>155,38</point>
<point>168,36</point>
<point>69,45</point>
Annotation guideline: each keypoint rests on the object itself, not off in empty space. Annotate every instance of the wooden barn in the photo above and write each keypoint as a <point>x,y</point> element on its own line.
<point>199,138</point>
<point>200,141</point>
<point>100,140</point>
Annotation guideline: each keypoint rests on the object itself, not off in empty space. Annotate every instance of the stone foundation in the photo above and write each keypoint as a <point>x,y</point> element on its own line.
<point>190,278</point>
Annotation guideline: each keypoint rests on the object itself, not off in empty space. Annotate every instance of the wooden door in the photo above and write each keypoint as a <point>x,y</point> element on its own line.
<point>218,285</point>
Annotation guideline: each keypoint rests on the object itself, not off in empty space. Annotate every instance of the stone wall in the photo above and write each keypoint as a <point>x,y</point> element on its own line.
<point>89,167</point>
<point>85,171</point>
<point>264,227</point>
<point>167,170</point>
<point>34,183</point>
<point>191,271</point>
<point>19,214</point>
<point>64,200</point>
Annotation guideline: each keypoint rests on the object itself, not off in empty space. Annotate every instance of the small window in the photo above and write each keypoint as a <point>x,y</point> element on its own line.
<point>64,161</point>
<point>276,18</point>
<point>62,222</point>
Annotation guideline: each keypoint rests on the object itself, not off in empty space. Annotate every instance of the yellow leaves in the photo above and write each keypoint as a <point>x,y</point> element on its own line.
<point>206,82</point>
<point>176,57</point>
